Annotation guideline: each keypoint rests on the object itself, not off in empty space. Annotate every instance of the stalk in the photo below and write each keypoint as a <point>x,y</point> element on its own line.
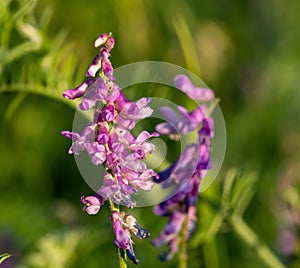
<point>183,244</point>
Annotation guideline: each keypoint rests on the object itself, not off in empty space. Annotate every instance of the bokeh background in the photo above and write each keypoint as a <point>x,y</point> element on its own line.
<point>247,51</point>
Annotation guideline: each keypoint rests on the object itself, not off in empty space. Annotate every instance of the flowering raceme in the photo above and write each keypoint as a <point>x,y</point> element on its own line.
<point>186,172</point>
<point>108,141</point>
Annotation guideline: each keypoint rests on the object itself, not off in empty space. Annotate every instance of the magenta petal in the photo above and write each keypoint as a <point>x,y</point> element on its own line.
<point>170,116</point>
<point>101,40</point>
<point>143,136</point>
<point>165,128</point>
<point>122,239</point>
<point>70,135</point>
<point>94,67</point>
<point>92,204</point>
<point>183,83</point>
<point>126,123</point>
<point>108,113</point>
<point>78,91</point>
<point>86,104</point>
<point>110,43</point>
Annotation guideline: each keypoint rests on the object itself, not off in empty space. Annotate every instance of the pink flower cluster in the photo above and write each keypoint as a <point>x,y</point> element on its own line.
<point>108,141</point>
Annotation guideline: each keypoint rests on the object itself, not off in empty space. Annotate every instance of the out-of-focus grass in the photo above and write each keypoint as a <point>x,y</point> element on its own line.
<point>248,52</point>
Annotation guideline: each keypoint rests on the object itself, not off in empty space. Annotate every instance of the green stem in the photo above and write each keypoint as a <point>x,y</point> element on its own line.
<point>250,238</point>
<point>187,44</point>
<point>183,244</point>
<point>13,106</point>
<point>122,258</point>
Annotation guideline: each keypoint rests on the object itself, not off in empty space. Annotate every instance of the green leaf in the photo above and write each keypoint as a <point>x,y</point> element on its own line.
<point>187,44</point>
<point>250,238</point>
<point>4,256</point>
<point>243,193</point>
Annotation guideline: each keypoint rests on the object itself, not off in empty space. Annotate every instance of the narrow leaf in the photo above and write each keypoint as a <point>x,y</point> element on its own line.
<point>4,256</point>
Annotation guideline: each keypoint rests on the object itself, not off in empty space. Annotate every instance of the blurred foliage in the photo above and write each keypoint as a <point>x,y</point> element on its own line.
<point>247,51</point>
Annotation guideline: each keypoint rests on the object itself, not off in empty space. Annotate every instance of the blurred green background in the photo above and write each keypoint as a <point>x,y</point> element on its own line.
<point>247,51</point>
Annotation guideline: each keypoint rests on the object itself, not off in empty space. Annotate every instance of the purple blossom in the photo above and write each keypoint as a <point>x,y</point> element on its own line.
<point>92,204</point>
<point>184,84</point>
<point>97,152</point>
<point>95,66</point>
<point>124,226</point>
<point>170,235</point>
<point>78,91</point>
<point>86,141</point>
<point>130,112</point>
<point>110,43</point>
<point>106,64</point>
<point>117,191</point>
<point>186,173</point>
<point>122,239</point>
<point>107,114</point>
<point>79,141</point>
<point>100,91</point>
<point>101,40</point>
<point>183,124</point>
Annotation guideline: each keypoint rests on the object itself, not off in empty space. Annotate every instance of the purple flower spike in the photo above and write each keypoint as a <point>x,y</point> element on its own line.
<point>183,83</point>
<point>92,204</point>
<point>188,170</point>
<point>78,91</point>
<point>108,141</point>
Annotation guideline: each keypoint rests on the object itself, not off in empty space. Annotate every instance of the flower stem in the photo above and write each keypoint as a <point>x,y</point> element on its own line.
<point>122,258</point>
<point>183,244</point>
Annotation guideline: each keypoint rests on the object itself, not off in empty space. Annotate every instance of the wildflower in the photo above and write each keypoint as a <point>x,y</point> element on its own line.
<point>78,91</point>
<point>183,124</point>
<point>92,204</point>
<point>108,141</point>
<point>123,226</point>
<point>186,172</point>
<point>184,84</point>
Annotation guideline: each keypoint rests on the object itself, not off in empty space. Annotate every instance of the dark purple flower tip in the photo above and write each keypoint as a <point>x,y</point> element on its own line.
<point>101,40</point>
<point>78,91</point>
<point>183,83</point>
<point>92,204</point>
<point>131,255</point>
<point>207,127</point>
<point>165,174</point>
